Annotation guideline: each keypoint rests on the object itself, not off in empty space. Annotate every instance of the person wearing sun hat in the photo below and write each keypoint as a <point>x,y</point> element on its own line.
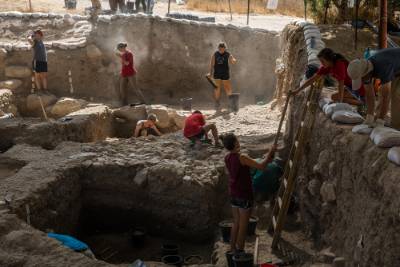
<point>385,66</point>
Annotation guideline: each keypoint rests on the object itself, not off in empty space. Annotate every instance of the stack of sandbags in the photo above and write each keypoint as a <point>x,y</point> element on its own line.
<point>394,155</point>
<point>385,137</point>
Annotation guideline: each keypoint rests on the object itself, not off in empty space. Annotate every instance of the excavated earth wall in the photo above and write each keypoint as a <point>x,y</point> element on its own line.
<point>160,183</point>
<point>347,189</point>
<point>172,56</point>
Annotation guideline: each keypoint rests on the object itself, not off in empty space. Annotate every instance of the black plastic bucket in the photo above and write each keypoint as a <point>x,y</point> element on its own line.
<point>186,103</point>
<point>251,227</point>
<point>70,4</point>
<point>243,260</point>
<point>174,260</point>
<point>169,249</point>
<point>138,237</point>
<point>130,6</point>
<point>225,227</point>
<point>229,258</point>
<point>234,102</point>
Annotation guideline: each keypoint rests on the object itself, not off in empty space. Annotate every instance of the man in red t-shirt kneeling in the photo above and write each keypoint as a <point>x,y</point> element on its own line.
<point>128,74</point>
<point>196,128</point>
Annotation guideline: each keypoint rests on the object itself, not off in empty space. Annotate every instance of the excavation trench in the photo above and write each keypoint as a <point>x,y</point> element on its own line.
<point>103,205</point>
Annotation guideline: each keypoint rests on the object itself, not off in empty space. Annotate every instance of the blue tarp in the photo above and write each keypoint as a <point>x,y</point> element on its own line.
<point>69,242</point>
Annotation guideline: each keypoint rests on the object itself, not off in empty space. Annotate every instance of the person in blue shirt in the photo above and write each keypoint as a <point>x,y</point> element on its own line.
<point>385,66</point>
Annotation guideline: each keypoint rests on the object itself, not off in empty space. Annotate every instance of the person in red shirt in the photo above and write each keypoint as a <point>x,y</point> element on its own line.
<point>336,65</point>
<point>128,74</point>
<point>196,128</point>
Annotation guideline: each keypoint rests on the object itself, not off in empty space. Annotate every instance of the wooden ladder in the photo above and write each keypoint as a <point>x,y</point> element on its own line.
<point>289,176</point>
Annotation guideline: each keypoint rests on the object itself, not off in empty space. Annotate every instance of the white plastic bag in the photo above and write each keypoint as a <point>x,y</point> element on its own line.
<point>324,101</point>
<point>379,131</point>
<point>332,108</point>
<point>394,155</point>
<point>362,129</point>
<point>387,139</point>
<point>347,117</point>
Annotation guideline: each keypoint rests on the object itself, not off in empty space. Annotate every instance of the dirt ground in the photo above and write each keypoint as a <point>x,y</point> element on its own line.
<point>270,22</point>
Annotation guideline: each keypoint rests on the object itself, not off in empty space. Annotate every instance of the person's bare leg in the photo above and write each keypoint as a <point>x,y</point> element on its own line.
<point>214,132</point>
<point>385,101</point>
<point>44,79</point>
<point>38,82</point>
<point>370,99</point>
<point>244,216</point>
<point>217,94</point>
<point>235,228</point>
<point>227,87</point>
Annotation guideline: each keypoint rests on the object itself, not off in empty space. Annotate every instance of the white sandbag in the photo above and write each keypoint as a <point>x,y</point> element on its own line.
<point>324,101</point>
<point>379,131</point>
<point>387,139</point>
<point>362,129</point>
<point>332,108</point>
<point>347,117</point>
<point>394,155</point>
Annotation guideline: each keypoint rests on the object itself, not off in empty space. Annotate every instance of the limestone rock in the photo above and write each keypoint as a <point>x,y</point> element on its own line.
<point>10,84</point>
<point>327,192</point>
<point>178,119</point>
<point>339,262</point>
<point>66,105</point>
<point>141,177</point>
<point>314,187</point>
<point>33,102</point>
<point>162,115</point>
<point>3,53</point>
<point>18,72</point>
<point>132,114</point>
<point>6,102</point>
<point>93,52</point>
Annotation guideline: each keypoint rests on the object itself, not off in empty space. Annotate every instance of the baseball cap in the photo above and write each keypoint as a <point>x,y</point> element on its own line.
<point>357,69</point>
<point>121,45</point>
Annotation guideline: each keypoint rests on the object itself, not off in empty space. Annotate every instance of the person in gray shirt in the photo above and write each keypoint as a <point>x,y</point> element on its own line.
<point>39,62</point>
<point>385,66</point>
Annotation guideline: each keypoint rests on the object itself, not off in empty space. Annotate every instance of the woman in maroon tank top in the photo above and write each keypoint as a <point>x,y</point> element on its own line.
<point>240,188</point>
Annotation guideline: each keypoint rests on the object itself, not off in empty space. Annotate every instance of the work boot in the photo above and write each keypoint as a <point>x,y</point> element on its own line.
<point>217,107</point>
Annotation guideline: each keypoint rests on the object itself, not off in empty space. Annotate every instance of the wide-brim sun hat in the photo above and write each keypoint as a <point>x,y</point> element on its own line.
<point>357,69</point>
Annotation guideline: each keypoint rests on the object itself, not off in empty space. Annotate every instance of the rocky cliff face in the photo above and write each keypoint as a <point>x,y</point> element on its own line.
<point>347,189</point>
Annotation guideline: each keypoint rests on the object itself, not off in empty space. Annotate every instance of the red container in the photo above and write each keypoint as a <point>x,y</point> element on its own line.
<point>267,265</point>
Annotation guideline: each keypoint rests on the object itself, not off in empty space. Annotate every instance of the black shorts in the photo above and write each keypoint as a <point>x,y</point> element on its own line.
<point>241,203</point>
<point>198,136</point>
<point>39,66</point>
<point>221,76</point>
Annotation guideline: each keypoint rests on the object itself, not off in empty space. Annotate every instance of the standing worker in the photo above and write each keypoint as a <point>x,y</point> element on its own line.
<point>385,66</point>
<point>39,63</point>
<point>137,4</point>
<point>115,4</point>
<point>219,70</point>
<point>241,188</point>
<point>128,75</point>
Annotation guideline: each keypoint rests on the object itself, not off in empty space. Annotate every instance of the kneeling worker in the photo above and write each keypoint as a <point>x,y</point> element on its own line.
<point>146,127</point>
<point>385,66</point>
<point>196,128</point>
